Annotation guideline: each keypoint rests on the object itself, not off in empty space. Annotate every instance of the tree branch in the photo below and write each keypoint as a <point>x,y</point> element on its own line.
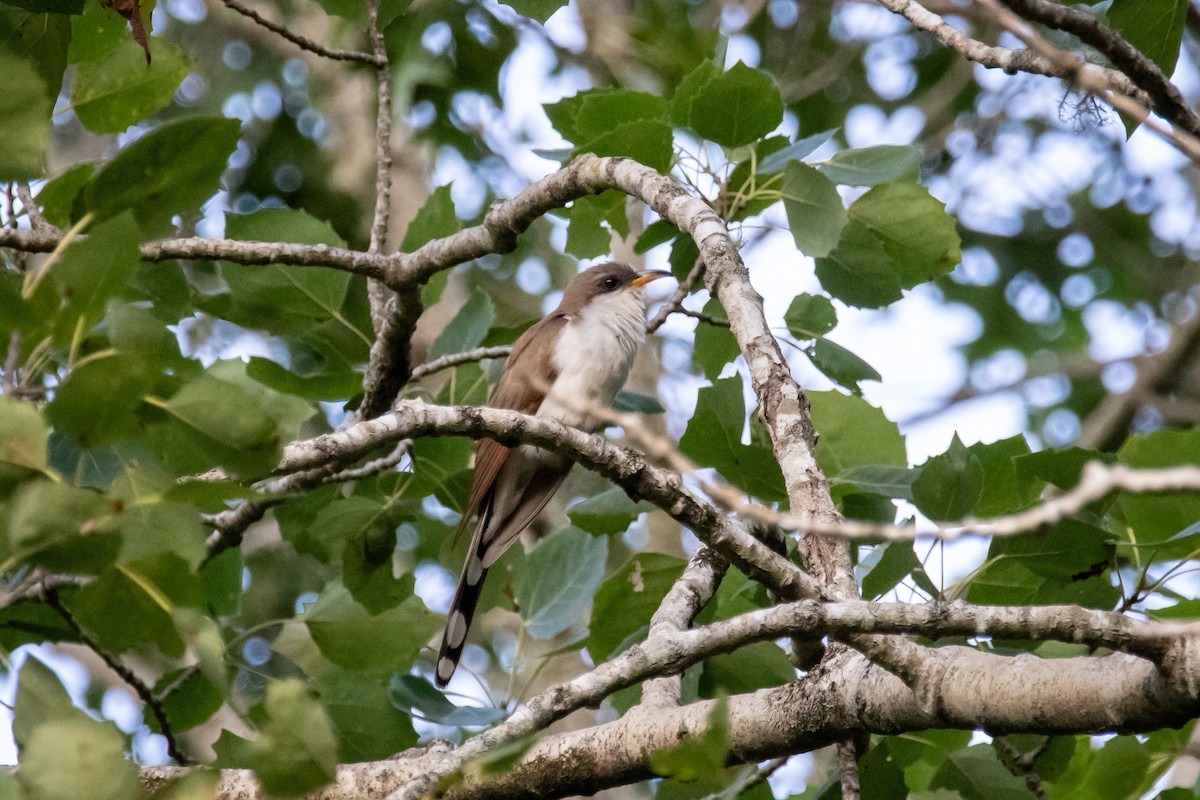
<point>690,593</point>
<point>626,468</point>
<point>1011,61</point>
<point>1108,424</point>
<point>958,687</point>
<point>299,41</point>
<point>1164,96</point>
<point>383,159</point>
<point>148,698</point>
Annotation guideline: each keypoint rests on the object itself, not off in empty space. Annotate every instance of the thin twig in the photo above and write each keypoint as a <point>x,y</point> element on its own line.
<point>36,220</point>
<point>717,322</point>
<point>681,292</point>
<point>144,693</point>
<point>455,359</point>
<point>300,41</point>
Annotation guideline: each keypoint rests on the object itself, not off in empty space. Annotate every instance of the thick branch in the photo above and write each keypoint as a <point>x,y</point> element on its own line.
<point>627,468</point>
<point>376,291</point>
<point>1164,96</point>
<point>688,595</point>
<point>1011,61</point>
<point>959,688</point>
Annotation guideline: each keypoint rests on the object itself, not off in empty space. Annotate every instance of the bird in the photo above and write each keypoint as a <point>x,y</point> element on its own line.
<point>571,362</point>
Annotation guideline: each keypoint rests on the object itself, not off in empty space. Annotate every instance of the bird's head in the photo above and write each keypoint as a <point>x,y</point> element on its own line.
<point>607,282</point>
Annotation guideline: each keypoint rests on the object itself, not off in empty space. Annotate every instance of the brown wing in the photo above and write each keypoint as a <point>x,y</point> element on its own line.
<point>534,351</point>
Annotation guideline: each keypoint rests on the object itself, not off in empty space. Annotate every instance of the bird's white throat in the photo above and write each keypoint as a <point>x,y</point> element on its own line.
<point>593,355</point>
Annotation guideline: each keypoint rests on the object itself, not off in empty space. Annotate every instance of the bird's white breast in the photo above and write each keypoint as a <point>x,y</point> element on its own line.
<point>593,355</point>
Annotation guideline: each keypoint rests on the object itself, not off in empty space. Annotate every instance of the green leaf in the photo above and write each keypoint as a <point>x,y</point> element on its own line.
<point>736,107</point>
<point>325,384</point>
<point>840,365</point>
<point>796,151</point>
<point>296,751</point>
<point>877,479</point>
<point>136,331</point>
<point>150,178</point>
<point>192,700</point>
<point>645,141</point>
<point>349,636</point>
<point>853,434</point>
<point>41,698</point>
<point>976,774</point>
<point>49,522</point>
<point>100,401</point>
<point>67,759</point>
<point>607,513</point>
<point>120,89</point>
<point>627,600</point>
<point>540,10</point>
<point>124,611</point>
<point>950,485</point>
<point>918,235</point>
<point>277,298</point>
<point>204,404</point>
<point>634,403</point>
<point>1063,468</point>
<point>353,11</point>
<point>810,316</point>
<point>561,576</point>
<point>601,110</point>
<point>1005,489</point>
<point>688,89</point>
<point>468,327</point>
<point>368,570</point>
<point>96,33</point>
<point>153,529</point>
<point>1069,550</point>
<point>859,271</point>
<point>22,436</point>
<point>714,439</point>
<point>24,120</point>
<point>418,697</point>
<point>699,759</point>
<point>435,220</point>
<point>894,565</point>
<point>713,346</point>
<point>91,271</point>
<point>369,727</point>
<point>1153,26</point>
<point>42,40</point>
<point>814,209</point>
<point>1154,518</point>
<point>587,237</point>
<point>58,196</point>
<point>656,233</point>
<point>747,669</point>
<point>871,166</point>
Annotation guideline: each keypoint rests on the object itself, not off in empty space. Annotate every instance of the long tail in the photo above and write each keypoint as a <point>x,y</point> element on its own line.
<point>462,610</point>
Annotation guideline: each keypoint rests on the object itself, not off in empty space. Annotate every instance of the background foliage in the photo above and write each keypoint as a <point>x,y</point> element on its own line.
<point>826,134</point>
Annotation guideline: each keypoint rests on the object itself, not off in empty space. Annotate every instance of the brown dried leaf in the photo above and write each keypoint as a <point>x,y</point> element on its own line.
<point>131,12</point>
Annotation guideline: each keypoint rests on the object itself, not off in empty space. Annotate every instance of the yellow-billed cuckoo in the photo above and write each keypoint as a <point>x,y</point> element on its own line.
<point>574,359</point>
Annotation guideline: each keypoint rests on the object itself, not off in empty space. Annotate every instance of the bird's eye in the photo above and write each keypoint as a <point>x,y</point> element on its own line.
<point>610,282</point>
